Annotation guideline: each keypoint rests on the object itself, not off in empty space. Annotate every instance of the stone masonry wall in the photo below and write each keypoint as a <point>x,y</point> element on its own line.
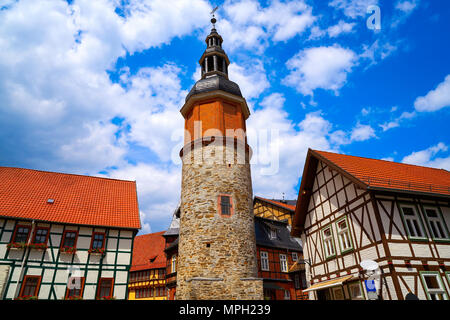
<point>217,255</point>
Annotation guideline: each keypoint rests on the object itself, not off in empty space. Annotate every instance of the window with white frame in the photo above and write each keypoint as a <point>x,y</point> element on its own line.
<point>287,295</point>
<point>294,256</point>
<point>437,225</point>
<point>433,285</point>
<point>283,263</point>
<point>174,264</point>
<point>273,233</point>
<point>264,261</point>
<point>327,237</point>
<point>343,232</point>
<point>412,221</point>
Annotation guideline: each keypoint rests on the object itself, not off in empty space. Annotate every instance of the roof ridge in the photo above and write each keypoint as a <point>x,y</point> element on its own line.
<point>400,163</point>
<point>70,174</point>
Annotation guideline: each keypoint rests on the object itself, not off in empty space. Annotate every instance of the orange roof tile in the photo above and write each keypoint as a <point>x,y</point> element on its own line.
<point>278,203</point>
<point>146,248</point>
<point>392,175</point>
<point>78,199</point>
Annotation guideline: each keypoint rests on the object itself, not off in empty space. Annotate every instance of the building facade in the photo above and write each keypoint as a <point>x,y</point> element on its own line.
<point>278,252</point>
<point>352,209</point>
<point>147,279</point>
<point>65,236</point>
<point>217,249</point>
<point>275,209</point>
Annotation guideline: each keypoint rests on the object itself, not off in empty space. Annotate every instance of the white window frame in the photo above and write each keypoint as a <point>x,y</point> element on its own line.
<point>328,243</point>
<point>264,261</point>
<point>294,256</point>
<point>436,222</point>
<point>411,219</point>
<point>272,233</point>
<point>287,295</point>
<point>283,263</point>
<point>174,263</point>
<point>344,236</point>
<point>430,292</point>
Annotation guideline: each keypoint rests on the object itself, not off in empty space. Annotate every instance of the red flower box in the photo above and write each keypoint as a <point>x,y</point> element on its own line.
<point>69,250</point>
<point>100,251</point>
<point>38,246</point>
<point>17,245</point>
<point>108,298</point>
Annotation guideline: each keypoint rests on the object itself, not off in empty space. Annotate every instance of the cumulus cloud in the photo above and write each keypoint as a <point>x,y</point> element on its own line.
<point>247,24</point>
<point>404,9</point>
<point>435,99</point>
<point>353,8</point>
<point>428,157</point>
<point>275,138</point>
<point>158,188</point>
<point>320,67</point>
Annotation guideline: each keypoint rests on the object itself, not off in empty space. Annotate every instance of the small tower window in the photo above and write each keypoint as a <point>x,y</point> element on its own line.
<point>225,205</point>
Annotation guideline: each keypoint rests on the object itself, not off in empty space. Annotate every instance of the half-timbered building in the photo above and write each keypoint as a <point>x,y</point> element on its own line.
<point>278,254</point>
<point>275,209</point>
<point>352,209</point>
<point>148,268</point>
<point>65,236</point>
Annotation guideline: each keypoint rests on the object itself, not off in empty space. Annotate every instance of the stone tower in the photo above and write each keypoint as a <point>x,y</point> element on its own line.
<point>217,249</point>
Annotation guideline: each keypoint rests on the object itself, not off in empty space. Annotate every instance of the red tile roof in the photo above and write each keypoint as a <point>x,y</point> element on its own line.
<point>392,175</point>
<point>78,199</point>
<point>278,203</point>
<point>146,248</point>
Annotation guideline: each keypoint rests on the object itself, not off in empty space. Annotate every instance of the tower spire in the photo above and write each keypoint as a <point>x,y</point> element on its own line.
<point>214,60</point>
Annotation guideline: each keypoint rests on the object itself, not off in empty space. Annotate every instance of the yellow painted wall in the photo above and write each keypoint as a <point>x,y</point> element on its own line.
<point>269,211</point>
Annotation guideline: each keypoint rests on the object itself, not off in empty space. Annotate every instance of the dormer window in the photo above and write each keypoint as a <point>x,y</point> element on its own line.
<point>272,233</point>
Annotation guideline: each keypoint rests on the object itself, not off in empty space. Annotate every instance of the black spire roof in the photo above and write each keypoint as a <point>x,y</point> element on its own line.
<point>214,63</point>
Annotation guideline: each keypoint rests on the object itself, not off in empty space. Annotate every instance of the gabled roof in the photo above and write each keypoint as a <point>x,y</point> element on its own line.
<point>381,174</point>
<point>371,174</point>
<point>285,204</point>
<point>148,252</point>
<point>77,199</point>
<point>283,238</point>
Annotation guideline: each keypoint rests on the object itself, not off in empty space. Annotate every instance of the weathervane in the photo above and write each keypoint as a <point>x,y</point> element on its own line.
<point>213,20</point>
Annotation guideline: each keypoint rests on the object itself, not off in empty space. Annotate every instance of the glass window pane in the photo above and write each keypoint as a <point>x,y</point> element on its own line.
<point>432,282</point>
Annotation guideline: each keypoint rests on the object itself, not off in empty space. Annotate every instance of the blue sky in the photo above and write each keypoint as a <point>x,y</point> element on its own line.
<point>95,87</point>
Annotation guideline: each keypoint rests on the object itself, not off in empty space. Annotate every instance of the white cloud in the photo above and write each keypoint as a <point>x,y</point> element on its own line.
<point>340,28</point>
<point>246,24</point>
<point>428,157</point>
<point>251,78</point>
<point>403,10</point>
<point>353,8</point>
<point>362,132</point>
<point>396,122</point>
<point>333,31</point>
<point>158,190</point>
<point>435,99</point>
<point>320,67</point>
<point>377,51</point>
<point>285,139</point>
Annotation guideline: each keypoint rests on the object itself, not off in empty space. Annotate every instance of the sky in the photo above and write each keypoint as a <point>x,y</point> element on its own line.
<point>95,87</point>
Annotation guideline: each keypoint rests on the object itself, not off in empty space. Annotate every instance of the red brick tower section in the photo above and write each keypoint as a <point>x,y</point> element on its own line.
<point>217,249</point>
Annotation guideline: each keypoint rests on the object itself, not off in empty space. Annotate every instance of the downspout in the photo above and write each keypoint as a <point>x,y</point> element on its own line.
<point>25,259</point>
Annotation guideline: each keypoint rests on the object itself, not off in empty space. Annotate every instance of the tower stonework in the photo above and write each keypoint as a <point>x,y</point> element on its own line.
<point>217,249</point>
